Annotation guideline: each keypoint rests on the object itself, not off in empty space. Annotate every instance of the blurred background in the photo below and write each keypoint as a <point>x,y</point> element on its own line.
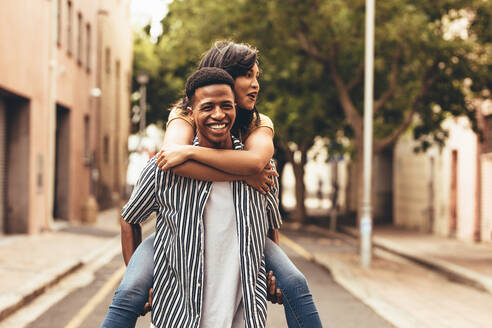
<point>85,91</point>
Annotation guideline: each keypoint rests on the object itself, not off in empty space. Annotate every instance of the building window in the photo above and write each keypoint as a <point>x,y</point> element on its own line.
<point>106,149</point>
<point>87,140</point>
<point>88,47</point>
<point>79,38</point>
<point>108,60</point>
<point>58,21</point>
<point>69,27</point>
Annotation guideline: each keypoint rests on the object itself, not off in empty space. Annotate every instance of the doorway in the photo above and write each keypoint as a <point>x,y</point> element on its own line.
<point>14,163</point>
<point>61,204</point>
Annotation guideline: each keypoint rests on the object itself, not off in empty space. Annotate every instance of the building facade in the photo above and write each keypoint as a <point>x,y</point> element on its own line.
<point>50,107</point>
<point>445,191</point>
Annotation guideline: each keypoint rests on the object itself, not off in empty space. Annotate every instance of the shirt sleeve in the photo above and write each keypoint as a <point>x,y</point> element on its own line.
<point>265,121</point>
<point>273,211</point>
<point>178,113</point>
<point>142,201</point>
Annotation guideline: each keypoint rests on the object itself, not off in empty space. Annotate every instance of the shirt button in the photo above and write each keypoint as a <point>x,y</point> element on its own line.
<point>198,284</point>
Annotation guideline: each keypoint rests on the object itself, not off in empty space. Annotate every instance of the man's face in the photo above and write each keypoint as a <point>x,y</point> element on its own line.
<point>214,114</point>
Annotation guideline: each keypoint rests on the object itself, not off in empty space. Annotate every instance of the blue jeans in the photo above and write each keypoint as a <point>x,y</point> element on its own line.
<point>133,292</point>
<point>131,295</point>
<point>299,307</point>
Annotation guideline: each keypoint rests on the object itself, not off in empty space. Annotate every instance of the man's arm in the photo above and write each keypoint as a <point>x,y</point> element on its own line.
<point>131,237</point>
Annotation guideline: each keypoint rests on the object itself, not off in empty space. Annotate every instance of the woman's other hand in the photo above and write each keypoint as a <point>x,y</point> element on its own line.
<point>173,155</point>
<point>148,304</point>
<point>263,180</point>
<point>274,294</point>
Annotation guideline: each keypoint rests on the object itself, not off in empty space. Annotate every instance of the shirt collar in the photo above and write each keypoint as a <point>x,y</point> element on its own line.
<point>236,144</point>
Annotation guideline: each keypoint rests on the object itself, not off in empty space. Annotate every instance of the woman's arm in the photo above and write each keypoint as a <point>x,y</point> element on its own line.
<point>180,132</point>
<point>258,151</point>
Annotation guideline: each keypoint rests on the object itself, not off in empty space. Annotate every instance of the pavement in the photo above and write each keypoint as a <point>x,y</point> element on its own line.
<point>407,291</point>
<point>416,280</point>
<point>29,264</point>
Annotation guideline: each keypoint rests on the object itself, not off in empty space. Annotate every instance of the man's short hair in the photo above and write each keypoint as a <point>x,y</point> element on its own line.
<point>207,76</point>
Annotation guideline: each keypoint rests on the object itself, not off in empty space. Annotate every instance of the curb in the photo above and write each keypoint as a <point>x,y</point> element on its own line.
<point>9,304</point>
<point>451,271</point>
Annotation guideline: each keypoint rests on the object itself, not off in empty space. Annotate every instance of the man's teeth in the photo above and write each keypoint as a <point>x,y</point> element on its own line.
<point>217,126</point>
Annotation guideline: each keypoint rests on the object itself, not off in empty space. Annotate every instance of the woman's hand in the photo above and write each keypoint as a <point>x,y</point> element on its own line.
<point>173,155</point>
<point>274,294</point>
<point>148,304</point>
<point>263,180</point>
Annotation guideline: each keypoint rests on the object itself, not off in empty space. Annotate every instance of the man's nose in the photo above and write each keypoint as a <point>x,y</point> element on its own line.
<point>218,113</point>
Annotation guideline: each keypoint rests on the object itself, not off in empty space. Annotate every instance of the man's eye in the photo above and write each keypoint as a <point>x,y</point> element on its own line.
<point>206,108</point>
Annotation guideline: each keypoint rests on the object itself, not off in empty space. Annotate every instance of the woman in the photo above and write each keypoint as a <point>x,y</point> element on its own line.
<point>256,132</point>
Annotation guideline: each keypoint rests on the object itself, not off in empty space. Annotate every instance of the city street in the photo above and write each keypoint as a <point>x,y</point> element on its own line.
<point>85,306</point>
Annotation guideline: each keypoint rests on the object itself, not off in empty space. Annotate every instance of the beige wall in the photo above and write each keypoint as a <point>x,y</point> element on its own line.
<point>113,108</point>
<point>25,53</point>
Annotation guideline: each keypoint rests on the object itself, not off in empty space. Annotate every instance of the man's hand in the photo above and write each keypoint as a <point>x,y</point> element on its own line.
<point>274,294</point>
<point>263,180</point>
<point>171,156</point>
<point>148,304</point>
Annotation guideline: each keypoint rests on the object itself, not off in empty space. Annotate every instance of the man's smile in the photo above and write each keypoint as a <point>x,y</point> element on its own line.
<point>217,126</point>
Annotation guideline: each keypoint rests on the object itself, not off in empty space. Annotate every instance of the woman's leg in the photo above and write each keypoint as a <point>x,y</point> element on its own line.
<point>299,307</point>
<point>133,292</point>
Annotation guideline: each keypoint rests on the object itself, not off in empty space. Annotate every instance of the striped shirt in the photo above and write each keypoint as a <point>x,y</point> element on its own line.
<point>179,203</point>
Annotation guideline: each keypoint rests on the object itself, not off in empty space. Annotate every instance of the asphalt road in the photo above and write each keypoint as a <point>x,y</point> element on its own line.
<point>86,306</point>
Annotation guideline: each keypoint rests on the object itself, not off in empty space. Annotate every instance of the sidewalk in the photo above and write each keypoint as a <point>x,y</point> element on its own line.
<point>30,264</point>
<point>466,262</point>
<point>404,293</point>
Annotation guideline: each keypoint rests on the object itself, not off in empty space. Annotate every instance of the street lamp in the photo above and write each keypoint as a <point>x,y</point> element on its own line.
<point>142,79</point>
<point>366,216</point>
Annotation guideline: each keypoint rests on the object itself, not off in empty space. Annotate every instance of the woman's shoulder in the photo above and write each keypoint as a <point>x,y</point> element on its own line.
<point>179,112</point>
<point>265,121</point>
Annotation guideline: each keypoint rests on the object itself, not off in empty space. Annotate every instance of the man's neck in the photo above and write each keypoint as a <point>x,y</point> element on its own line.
<point>225,144</point>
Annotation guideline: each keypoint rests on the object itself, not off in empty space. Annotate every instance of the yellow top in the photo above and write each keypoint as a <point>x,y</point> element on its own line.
<point>265,121</point>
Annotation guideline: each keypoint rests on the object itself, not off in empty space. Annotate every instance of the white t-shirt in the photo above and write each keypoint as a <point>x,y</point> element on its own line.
<point>222,304</point>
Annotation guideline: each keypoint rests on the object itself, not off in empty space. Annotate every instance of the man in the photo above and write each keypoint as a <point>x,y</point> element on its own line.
<point>209,269</point>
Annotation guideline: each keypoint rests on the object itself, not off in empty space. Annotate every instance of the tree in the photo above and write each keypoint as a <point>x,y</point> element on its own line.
<point>312,62</point>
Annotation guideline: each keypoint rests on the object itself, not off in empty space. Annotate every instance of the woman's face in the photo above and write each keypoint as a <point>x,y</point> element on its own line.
<point>247,88</point>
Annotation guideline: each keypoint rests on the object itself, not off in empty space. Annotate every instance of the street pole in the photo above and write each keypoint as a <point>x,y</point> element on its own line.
<point>142,79</point>
<point>143,102</point>
<point>366,216</point>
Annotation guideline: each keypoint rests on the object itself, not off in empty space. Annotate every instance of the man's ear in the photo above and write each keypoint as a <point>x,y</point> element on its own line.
<point>189,111</point>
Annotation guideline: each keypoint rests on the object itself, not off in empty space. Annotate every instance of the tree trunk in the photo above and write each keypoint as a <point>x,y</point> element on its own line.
<point>300,189</point>
<point>359,167</point>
